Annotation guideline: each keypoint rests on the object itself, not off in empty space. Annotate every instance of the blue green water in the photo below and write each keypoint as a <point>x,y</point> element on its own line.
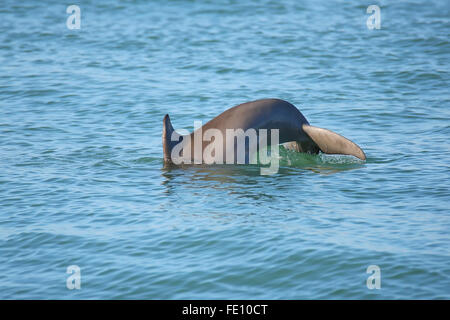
<point>82,180</point>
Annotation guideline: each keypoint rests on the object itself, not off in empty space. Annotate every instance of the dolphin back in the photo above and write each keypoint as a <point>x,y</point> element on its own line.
<point>295,131</point>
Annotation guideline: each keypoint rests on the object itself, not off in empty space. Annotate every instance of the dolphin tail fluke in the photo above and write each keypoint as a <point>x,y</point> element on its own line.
<point>166,138</point>
<point>332,143</point>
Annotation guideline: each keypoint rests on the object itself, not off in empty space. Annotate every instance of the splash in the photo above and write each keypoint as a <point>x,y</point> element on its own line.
<point>323,163</point>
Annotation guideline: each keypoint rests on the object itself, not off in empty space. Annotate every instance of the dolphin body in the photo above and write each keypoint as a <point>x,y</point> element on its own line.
<point>295,132</point>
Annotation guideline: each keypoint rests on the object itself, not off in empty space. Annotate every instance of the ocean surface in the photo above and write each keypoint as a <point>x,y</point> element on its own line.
<point>82,180</point>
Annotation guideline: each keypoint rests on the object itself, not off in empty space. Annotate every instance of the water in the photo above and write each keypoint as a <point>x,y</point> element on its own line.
<point>81,173</point>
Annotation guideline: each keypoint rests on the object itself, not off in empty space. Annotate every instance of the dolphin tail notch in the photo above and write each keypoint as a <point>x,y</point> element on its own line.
<point>332,143</point>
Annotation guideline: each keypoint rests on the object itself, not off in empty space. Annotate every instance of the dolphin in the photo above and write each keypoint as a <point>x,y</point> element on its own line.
<point>295,132</point>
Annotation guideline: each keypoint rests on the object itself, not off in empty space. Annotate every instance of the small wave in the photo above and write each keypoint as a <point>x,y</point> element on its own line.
<point>319,161</point>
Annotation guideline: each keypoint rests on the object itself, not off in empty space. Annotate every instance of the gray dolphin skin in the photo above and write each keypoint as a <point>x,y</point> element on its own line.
<point>295,132</point>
